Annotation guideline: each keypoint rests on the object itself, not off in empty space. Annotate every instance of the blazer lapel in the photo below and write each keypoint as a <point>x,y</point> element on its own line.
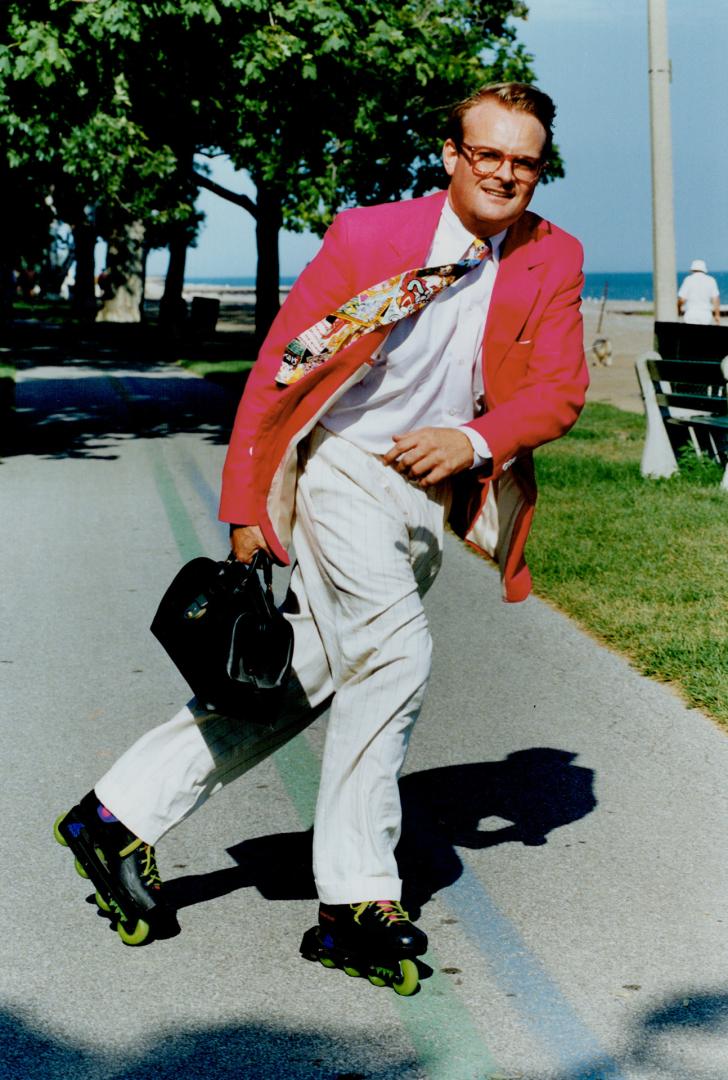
<point>515,291</point>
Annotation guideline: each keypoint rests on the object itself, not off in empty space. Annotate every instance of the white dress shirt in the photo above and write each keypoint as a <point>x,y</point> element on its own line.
<point>427,373</point>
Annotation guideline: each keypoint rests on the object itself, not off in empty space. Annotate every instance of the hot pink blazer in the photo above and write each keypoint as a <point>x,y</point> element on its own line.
<point>534,373</point>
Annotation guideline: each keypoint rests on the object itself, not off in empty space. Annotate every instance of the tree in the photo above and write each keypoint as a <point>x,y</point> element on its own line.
<point>339,102</point>
<point>69,117</point>
<point>324,102</point>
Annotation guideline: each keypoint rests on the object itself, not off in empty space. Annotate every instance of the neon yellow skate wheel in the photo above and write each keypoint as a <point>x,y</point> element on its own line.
<point>81,869</point>
<point>410,980</point>
<point>352,972</point>
<point>377,980</point>
<point>137,936</point>
<point>327,961</point>
<point>102,902</point>
<point>57,832</point>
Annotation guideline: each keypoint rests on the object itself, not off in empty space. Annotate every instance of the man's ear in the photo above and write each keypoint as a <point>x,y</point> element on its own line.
<point>449,156</point>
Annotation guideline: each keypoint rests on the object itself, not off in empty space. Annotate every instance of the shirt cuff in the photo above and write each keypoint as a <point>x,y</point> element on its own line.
<point>481,450</point>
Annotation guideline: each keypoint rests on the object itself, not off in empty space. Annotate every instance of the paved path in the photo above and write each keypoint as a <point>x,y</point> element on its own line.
<point>566,817</point>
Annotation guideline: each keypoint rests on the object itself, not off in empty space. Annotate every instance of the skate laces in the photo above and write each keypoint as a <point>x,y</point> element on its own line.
<point>150,870</point>
<point>386,910</point>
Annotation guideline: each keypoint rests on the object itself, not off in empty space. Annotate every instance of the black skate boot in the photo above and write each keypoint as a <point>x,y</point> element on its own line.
<point>121,866</point>
<point>374,939</point>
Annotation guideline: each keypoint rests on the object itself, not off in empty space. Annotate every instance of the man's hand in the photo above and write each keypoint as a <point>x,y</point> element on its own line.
<point>430,454</point>
<point>245,540</point>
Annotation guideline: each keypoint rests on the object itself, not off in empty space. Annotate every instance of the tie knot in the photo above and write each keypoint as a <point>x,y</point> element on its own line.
<point>479,249</point>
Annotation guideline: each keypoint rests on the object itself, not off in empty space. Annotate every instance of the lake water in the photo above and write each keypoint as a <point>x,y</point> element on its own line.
<point>633,286</point>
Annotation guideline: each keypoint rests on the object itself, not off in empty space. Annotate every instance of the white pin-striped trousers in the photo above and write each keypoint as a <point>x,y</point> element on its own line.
<point>368,545</point>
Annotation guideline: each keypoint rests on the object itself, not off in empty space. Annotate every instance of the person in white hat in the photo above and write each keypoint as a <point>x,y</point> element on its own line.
<point>698,299</point>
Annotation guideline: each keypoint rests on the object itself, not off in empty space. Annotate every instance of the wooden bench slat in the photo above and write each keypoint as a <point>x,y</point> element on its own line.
<point>705,372</point>
<point>707,421</point>
<point>716,406</point>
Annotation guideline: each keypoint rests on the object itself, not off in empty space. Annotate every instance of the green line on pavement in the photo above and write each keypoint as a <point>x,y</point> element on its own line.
<point>299,769</point>
<point>448,1044</point>
<point>446,1041</point>
<point>184,532</point>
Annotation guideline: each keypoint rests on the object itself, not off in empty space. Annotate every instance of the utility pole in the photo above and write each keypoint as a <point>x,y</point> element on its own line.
<point>663,219</point>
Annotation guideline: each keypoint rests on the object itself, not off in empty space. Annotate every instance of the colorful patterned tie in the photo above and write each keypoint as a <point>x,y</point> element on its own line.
<point>380,305</point>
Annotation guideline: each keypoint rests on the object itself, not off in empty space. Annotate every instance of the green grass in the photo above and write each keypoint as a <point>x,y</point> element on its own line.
<point>46,311</point>
<point>639,563</point>
<point>216,367</point>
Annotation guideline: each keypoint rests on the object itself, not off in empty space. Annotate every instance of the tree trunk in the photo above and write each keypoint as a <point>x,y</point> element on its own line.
<point>172,308</point>
<point>267,281</point>
<point>126,260</point>
<point>84,290</point>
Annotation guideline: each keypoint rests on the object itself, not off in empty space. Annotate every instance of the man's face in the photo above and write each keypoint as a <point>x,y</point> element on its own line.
<point>486,205</point>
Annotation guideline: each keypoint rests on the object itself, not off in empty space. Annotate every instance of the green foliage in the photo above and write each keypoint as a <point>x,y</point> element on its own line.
<point>85,116</point>
<point>342,102</point>
<point>640,563</point>
<point>325,102</point>
<point>696,468</point>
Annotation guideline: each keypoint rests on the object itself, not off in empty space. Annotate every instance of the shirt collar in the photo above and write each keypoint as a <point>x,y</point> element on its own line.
<point>459,236</point>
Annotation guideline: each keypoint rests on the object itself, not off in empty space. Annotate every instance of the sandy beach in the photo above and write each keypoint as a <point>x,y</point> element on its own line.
<point>629,329</point>
<point>626,325</point>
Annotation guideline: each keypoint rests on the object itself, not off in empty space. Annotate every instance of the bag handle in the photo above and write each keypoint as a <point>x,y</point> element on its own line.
<point>239,574</point>
<point>260,561</point>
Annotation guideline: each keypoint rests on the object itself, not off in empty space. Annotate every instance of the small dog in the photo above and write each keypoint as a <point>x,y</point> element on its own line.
<point>602,352</point>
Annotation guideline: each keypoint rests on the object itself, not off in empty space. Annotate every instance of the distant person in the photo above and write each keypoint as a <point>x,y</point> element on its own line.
<point>698,300</point>
<point>68,284</point>
<point>27,284</point>
<point>104,287</point>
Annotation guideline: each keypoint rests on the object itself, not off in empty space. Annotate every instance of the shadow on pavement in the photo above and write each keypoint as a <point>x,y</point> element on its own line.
<point>279,867</point>
<point>247,1051</point>
<point>525,797</point>
<point>684,1039</point>
<point>230,1052</point>
<point>83,410</point>
<point>518,800</point>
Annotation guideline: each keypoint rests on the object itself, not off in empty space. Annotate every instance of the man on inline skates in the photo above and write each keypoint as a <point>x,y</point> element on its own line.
<point>384,399</point>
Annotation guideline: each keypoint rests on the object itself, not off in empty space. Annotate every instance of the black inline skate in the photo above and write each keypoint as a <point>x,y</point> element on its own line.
<point>122,868</point>
<point>374,939</point>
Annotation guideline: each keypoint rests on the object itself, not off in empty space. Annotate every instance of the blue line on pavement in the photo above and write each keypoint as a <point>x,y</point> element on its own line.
<point>203,489</point>
<point>535,994</point>
<point>183,531</point>
<point>180,522</point>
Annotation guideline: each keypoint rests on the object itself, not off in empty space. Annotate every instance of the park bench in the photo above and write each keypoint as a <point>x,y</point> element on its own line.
<point>686,403</point>
<point>685,341</point>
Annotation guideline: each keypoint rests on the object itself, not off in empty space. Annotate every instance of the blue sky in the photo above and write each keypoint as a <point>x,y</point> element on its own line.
<point>591,56</point>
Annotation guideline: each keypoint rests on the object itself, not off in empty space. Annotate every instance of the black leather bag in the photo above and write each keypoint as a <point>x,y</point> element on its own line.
<point>219,624</point>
